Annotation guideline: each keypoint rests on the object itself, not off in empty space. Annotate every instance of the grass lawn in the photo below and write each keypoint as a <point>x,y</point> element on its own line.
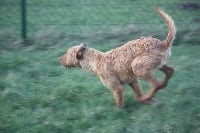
<point>37,95</point>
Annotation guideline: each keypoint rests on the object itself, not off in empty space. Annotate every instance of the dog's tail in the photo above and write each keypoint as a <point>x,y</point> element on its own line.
<point>171,27</point>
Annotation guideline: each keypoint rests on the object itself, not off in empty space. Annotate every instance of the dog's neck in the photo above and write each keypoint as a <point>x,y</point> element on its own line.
<point>91,58</point>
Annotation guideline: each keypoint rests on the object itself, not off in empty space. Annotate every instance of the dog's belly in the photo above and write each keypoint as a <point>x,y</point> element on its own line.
<point>126,76</point>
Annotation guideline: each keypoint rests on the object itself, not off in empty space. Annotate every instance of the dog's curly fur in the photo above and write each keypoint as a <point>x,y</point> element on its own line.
<point>137,59</point>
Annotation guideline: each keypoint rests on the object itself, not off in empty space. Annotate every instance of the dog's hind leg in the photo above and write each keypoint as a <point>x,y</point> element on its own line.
<point>168,73</point>
<point>138,94</point>
<point>155,87</point>
<point>143,68</point>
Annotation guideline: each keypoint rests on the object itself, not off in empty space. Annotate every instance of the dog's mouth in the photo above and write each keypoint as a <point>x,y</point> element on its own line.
<point>69,66</point>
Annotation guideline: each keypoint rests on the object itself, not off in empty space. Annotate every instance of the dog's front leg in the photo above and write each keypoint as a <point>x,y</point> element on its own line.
<point>117,88</point>
<point>118,94</point>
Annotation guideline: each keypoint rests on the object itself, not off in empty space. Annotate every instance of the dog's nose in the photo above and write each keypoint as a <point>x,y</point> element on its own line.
<point>60,59</point>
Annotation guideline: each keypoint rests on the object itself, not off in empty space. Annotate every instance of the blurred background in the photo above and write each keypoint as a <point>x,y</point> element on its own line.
<point>82,19</point>
<point>39,95</point>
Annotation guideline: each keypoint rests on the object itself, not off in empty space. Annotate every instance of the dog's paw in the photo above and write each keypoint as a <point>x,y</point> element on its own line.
<point>147,101</point>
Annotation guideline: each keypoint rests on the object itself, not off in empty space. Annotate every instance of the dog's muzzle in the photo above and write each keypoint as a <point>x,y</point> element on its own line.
<point>62,60</point>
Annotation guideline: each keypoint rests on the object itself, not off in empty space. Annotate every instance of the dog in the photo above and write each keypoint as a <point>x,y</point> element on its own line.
<point>137,59</point>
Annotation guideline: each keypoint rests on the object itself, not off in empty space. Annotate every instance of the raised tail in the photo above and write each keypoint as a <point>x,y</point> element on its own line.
<point>171,27</point>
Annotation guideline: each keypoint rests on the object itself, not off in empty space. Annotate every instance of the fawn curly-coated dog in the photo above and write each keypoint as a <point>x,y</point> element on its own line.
<point>137,59</point>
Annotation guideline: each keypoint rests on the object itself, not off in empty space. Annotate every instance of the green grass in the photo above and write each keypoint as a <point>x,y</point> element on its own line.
<point>39,95</point>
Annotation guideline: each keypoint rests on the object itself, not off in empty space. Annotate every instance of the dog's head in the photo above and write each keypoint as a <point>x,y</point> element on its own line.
<point>73,56</point>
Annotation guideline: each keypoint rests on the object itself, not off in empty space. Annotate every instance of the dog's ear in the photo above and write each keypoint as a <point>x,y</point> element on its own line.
<point>79,54</point>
